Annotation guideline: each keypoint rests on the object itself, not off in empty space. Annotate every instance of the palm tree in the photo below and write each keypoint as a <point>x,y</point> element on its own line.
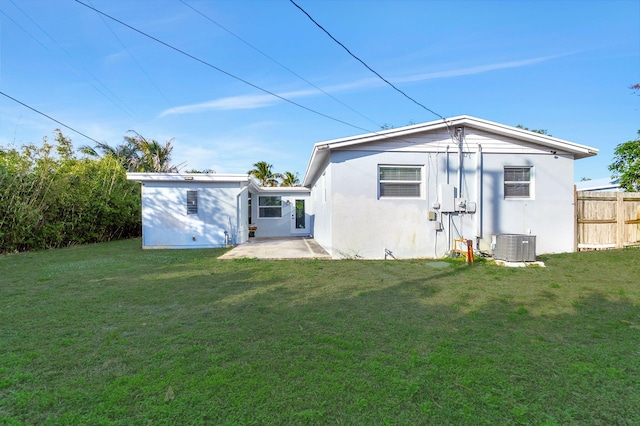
<point>262,172</point>
<point>154,157</point>
<point>127,154</point>
<point>137,154</point>
<point>290,179</point>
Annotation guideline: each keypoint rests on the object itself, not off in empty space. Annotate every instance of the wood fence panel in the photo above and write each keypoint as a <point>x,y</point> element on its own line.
<point>632,220</point>
<point>607,219</point>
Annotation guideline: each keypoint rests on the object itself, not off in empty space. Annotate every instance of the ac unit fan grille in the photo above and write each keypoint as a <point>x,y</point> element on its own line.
<point>515,248</point>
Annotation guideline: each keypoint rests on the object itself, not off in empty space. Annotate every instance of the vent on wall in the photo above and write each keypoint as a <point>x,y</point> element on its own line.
<point>192,202</point>
<point>515,248</point>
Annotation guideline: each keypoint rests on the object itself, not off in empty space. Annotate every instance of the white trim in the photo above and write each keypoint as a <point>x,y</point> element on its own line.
<point>531,181</point>
<point>420,182</point>
<point>322,150</point>
<point>270,207</point>
<point>187,177</point>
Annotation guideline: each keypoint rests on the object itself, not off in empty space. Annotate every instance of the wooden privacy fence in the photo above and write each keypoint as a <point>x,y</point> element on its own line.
<point>607,219</point>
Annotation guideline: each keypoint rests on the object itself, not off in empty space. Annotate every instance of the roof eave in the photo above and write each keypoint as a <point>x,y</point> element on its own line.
<point>187,177</point>
<point>322,149</point>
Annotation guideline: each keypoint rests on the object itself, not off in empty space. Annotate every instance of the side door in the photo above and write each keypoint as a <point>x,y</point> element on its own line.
<point>299,219</point>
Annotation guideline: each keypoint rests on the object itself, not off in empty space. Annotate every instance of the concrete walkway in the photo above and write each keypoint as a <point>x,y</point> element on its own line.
<point>278,248</point>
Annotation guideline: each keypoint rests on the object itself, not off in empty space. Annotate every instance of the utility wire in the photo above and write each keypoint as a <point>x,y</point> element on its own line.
<point>208,64</point>
<point>234,76</point>
<point>136,61</point>
<point>50,118</point>
<point>127,111</point>
<point>275,61</point>
<point>364,63</point>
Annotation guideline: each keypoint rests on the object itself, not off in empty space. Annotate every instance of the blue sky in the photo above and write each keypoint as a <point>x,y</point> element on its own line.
<point>563,66</point>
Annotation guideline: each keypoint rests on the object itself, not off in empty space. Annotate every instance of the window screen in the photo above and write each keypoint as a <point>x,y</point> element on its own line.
<point>192,202</point>
<point>400,181</point>
<point>517,182</point>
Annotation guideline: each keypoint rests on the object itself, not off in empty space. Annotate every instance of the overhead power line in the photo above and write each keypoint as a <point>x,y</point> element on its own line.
<point>124,108</point>
<point>136,62</point>
<point>49,117</point>
<point>275,61</point>
<point>364,63</point>
<point>210,65</point>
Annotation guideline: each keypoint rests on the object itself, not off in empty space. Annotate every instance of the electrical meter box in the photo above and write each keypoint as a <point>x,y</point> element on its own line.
<point>447,198</point>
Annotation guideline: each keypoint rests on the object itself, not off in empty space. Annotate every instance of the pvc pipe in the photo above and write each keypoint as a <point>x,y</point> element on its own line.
<point>479,195</point>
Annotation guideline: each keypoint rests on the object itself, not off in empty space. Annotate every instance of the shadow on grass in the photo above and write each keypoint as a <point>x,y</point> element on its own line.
<point>314,343</point>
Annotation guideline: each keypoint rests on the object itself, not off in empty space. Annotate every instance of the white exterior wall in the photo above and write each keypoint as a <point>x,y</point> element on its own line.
<point>282,226</point>
<point>363,225</point>
<point>242,204</point>
<point>548,214</point>
<point>321,199</point>
<point>166,224</point>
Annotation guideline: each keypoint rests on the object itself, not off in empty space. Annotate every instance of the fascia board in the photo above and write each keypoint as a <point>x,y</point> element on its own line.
<point>318,158</point>
<point>578,150</point>
<point>385,134</point>
<point>187,177</point>
<point>322,149</point>
<point>283,189</point>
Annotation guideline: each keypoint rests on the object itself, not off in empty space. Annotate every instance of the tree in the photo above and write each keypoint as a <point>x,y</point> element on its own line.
<point>539,131</point>
<point>626,164</point>
<point>635,88</point>
<point>262,171</point>
<point>50,198</point>
<point>205,171</point>
<point>126,154</point>
<point>290,179</point>
<point>154,157</point>
<point>137,154</point>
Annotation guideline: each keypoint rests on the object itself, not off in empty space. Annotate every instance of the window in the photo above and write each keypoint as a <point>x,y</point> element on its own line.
<point>192,202</point>
<point>400,181</point>
<point>517,182</point>
<point>269,206</point>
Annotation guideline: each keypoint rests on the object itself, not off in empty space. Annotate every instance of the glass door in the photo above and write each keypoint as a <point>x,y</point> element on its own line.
<point>298,218</point>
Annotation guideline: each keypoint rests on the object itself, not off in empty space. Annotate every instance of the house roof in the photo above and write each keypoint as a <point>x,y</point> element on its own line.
<point>191,177</point>
<point>603,184</point>
<point>321,150</point>
<point>215,178</point>
<point>284,189</point>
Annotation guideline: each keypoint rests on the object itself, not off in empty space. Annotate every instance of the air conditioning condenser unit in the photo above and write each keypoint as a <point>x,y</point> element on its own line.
<point>515,248</point>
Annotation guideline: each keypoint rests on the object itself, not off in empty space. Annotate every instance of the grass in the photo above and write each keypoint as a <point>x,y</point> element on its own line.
<point>111,334</point>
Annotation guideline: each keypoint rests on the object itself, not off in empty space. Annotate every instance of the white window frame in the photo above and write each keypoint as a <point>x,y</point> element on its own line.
<point>271,207</point>
<point>529,183</point>
<point>419,183</point>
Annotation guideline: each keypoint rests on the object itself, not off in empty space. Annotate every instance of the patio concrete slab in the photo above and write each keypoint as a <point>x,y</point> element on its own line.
<point>277,248</point>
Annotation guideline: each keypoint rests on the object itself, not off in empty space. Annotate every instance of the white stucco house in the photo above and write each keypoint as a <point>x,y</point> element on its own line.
<point>409,191</point>
<point>197,210</point>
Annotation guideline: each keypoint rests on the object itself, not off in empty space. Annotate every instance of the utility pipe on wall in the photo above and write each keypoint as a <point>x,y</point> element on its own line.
<point>460,135</point>
<point>446,157</point>
<point>478,196</point>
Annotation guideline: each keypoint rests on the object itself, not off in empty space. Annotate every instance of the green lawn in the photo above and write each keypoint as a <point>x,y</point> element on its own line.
<point>112,334</point>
